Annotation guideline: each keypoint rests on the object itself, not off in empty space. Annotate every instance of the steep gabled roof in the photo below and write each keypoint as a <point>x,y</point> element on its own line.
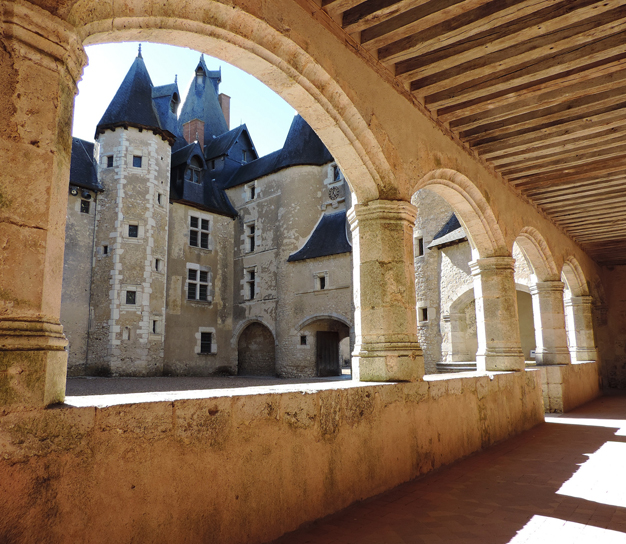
<point>451,233</point>
<point>162,97</point>
<point>183,155</point>
<point>330,237</point>
<point>220,145</point>
<point>132,105</point>
<point>202,103</point>
<point>83,168</point>
<point>302,147</point>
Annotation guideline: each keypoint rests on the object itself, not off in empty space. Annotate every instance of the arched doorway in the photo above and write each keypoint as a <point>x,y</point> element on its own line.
<point>256,351</point>
<point>325,345</point>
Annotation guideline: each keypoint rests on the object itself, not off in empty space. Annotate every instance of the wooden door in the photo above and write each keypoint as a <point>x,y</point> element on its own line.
<point>328,354</point>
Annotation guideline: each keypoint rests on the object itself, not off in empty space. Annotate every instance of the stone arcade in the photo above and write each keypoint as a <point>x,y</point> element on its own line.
<point>519,130</point>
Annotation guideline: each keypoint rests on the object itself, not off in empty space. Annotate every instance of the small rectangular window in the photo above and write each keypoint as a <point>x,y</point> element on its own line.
<point>199,232</point>
<point>336,173</point>
<point>424,314</point>
<point>251,229</point>
<point>193,221</point>
<point>251,284</point>
<point>155,327</point>
<point>110,161</point>
<point>159,199</point>
<point>105,250</point>
<point>244,156</point>
<point>157,264</point>
<point>131,297</point>
<point>84,206</point>
<point>204,240</point>
<point>137,161</point>
<point>193,238</point>
<point>205,224</point>
<point>206,339</point>
<point>420,247</point>
<point>197,285</point>
<point>303,340</point>
<point>322,282</point>
<point>133,231</point>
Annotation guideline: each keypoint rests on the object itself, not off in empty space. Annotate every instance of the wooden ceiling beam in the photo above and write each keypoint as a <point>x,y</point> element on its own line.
<point>416,20</point>
<point>587,172</point>
<point>490,79</point>
<point>545,35</point>
<point>470,29</point>
<point>375,12</point>
<point>335,8</point>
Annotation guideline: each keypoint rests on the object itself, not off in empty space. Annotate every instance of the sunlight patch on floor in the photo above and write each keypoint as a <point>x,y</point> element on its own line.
<point>542,530</point>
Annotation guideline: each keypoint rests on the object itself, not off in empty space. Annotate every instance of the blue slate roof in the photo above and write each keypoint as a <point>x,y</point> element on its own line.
<point>221,144</point>
<point>83,167</point>
<point>451,233</point>
<point>330,237</point>
<point>202,103</point>
<point>162,97</point>
<point>302,147</point>
<point>184,154</point>
<point>132,105</point>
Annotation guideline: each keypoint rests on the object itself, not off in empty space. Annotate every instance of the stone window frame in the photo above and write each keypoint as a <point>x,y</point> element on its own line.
<point>208,283</point>
<point>417,238</point>
<point>104,250</point>
<point>160,269</point>
<point>85,204</point>
<point>137,152</point>
<point>250,236</point>
<point>251,191</point>
<point>198,336</point>
<point>299,344</point>
<point>158,322</point>
<point>247,281</point>
<point>138,297</point>
<point>429,314</point>
<point>321,280</point>
<point>108,161</point>
<point>160,199</point>
<point>141,231</point>
<point>199,230</point>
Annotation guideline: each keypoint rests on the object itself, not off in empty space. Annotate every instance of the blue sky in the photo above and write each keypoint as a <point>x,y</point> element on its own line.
<point>266,115</point>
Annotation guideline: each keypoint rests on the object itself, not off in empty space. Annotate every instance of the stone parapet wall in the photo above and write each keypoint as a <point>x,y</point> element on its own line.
<point>567,386</point>
<point>240,466</point>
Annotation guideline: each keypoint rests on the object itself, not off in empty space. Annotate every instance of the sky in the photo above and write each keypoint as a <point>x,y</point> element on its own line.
<point>266,115</point>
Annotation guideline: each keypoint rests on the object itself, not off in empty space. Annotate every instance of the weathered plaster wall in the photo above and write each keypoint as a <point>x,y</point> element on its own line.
<point>77,261</point>
<point>286,209</point>
<point>240,468</point>
<point>187,319</point>
<point>610,329</point>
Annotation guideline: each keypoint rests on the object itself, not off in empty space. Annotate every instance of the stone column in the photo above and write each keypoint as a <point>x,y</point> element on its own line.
<point>497,326</point>
<point>41,60</point>
<point>550,334</point>
<point>580,321</point>
<point>386,347</point>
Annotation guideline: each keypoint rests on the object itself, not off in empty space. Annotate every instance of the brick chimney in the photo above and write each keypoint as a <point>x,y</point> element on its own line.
<point>194,130</point>
<point>224,100</point>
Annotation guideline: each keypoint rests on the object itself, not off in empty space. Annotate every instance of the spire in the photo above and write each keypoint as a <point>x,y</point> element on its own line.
<point>139,53</point>
<point>175,79</point>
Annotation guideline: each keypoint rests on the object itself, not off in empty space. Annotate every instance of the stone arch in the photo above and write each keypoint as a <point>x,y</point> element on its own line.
<point>256,351</point>
<point>471,208</point>
<point>574,278</point>
<point>241,327</point>
<point>251,44</point>
<point>535,250</point>
<point>462,343</point>
<point>319,317</point>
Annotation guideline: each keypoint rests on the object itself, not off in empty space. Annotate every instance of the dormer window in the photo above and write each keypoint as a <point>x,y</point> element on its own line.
<point>174,103</point>
<point>193,171</point>
<point>244,156</point>
<point>200,75</point>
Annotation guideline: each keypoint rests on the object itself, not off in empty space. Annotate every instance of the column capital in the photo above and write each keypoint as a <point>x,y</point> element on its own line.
<point>582,300</point>
<point>29,335</point>
<point>491,263</point>
<point>539,287</point>
<point>44,39</point>
<point>382,210</point>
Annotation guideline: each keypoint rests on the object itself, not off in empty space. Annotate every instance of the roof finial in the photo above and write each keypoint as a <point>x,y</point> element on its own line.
<point>139,53</point>
<point>176,79</point>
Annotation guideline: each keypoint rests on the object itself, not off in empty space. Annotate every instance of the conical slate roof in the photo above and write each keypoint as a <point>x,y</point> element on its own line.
<point>302,146</point>
<point>132,105</point>
<point>330,237</point>
<point>202,103</point>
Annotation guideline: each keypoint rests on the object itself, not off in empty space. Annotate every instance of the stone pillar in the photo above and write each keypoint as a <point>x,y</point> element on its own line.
<point>550,334</point>
<point>386,346</point>
<point>580,321</point>
<point>41,59</point>
<point>497,326</point>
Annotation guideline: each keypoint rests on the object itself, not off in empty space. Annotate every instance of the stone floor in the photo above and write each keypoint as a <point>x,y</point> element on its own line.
<point>563,482</point>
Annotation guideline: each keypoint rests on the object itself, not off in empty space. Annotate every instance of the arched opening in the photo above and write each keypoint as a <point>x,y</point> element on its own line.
<point>256,351</point>
<point>459,248</point>
<point>324,346</point>
<point>578,312</point>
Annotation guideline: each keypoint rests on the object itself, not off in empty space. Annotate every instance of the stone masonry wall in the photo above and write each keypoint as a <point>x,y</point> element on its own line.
<point>77,261</point>
<point>126,338</point>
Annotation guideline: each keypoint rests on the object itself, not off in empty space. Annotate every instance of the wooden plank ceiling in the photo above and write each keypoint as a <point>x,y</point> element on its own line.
<point>536,87</point>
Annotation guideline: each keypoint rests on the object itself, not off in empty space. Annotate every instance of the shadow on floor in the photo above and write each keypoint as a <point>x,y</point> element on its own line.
<point>562,482</point>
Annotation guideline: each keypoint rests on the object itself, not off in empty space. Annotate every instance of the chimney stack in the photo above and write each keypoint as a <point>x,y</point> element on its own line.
<point>224,101</point>
<point>193,130</point>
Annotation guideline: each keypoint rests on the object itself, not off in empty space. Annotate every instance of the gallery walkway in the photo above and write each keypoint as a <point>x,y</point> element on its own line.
<point>562,482</point>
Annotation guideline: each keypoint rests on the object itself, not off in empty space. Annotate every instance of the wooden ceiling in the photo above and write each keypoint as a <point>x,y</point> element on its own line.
<point>536,87</point>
